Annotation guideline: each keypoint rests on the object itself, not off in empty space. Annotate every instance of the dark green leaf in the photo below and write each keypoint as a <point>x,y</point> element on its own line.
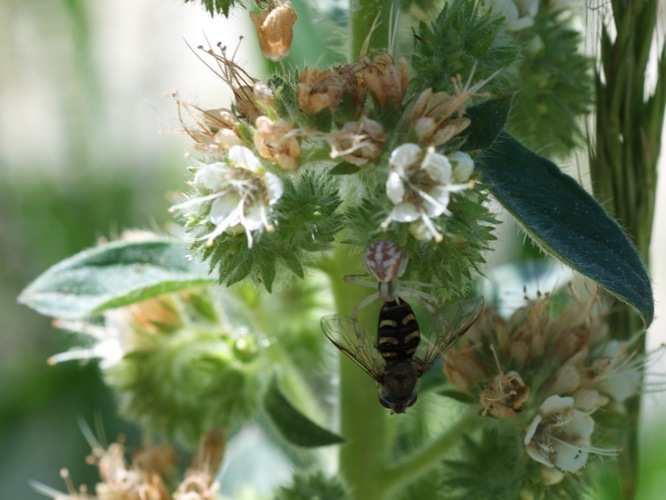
<point>292,424</point>
<point>488,120</point>
<point>566,221</point>
<point>216,6</point>
<point>112,275</point>
<point>344,168</point>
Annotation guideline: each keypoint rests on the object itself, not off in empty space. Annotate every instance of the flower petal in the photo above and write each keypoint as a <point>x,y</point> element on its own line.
<point>212,178</point>
<point>437,166</point>
<point>405,212</point>
<point>462,164</point>
<point>243,157</point>
<point>274,187</point>
<point>395,189</point>
<point>404,157</point>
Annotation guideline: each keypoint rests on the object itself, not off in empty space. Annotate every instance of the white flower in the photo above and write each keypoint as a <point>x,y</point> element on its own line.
<point>621,377</point>
<point>419,186</point>
<point>559,436</point>
<point>240,193</point>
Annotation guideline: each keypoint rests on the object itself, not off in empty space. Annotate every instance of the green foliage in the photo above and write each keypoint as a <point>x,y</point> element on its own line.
<point>183,384</point>
<point>295,427</point>
<point>488,120</point>
<point>306,221</point>
<point>566,221</point>
<point>466,39</point>
<point>491,465</point>
<point>311,486</point>
<point>556,84</point>
<point>216,6</point>
<point>112,275</point>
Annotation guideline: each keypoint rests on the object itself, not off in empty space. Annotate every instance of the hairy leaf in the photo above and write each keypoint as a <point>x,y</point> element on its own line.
<point>566,221</point>
<point>112,275</point>
<point>292,424</point>
<point>488,120</point>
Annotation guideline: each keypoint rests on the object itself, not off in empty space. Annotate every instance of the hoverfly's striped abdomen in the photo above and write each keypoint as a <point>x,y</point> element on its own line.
<point>398,333</point>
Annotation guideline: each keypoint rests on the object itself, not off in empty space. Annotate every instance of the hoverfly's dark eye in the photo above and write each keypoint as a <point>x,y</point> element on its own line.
<point>411,403</point>
<point>384,403</point>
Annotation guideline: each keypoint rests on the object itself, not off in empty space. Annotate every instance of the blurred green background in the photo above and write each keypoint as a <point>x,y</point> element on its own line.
<point>81,158</point>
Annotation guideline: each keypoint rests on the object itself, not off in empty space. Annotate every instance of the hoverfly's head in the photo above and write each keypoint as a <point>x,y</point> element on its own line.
<point>397,390</point>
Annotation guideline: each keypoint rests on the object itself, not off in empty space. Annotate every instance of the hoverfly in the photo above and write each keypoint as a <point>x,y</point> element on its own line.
<point>394,360</point>
<point>386,262</point>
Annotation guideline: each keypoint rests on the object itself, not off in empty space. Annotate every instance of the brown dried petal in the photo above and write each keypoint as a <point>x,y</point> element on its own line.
<point>319,90</point>
<point>275,30</point>
<point>274,143</point>
<point>386,81</point>
<point>505,395</point>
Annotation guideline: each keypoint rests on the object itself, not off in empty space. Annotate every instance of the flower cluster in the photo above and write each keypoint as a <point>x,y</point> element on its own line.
<point>165,355</point>
<point>547,369</point>
<point>398,149</point>
<point>151,471</point>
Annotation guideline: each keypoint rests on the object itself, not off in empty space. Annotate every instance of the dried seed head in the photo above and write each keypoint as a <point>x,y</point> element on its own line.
<point>438,117</point>
<point>359,143</point>
<point>354,83</point>
<point>505,395</point>
<point>275,30</point>
<point>319,90</point>
<point>214,131</point>
<point>276,141</point>
<point>387,82</point>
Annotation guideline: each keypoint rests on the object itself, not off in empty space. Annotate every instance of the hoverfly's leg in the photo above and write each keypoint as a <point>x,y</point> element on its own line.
<point>364,303</point>
<point>359,280</point>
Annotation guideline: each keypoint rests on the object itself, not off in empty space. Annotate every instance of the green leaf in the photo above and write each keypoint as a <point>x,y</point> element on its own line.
<point>344,168</point>
<point>292,424</point>
<point>216,6</point>
<point>488,120</point>
<point>112,275</point>
<point>566,221</point>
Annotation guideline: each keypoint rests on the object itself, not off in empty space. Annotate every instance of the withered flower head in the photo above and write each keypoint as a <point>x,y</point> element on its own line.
<point>437,117</point>
<point>319,90</point>
<point>274,29</point>
<point>359,143</point>
<point>214,130</point>
<point>505,394</point>
<point>251,97</point>
<point>276,141</point>
<point>386,80</point>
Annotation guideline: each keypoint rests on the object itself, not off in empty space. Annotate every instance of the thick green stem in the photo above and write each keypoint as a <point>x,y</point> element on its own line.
<point>623,166</point>
<point>362,418</point>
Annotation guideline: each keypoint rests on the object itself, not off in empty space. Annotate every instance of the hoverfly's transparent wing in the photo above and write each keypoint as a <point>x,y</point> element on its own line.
<point>352,339</point>
<point>453,322</point>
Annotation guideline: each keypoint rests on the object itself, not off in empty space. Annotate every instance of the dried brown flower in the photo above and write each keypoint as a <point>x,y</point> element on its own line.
<point>275,141</point>
<point>359,142</point>
<point>275,29</point>
<point>386,80</point>
<point>319,90</point>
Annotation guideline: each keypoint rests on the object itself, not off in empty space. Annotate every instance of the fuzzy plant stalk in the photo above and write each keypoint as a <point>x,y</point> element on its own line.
<point>624,161</point>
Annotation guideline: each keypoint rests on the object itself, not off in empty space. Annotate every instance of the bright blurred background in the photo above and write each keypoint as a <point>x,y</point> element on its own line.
<point>81,157</point>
